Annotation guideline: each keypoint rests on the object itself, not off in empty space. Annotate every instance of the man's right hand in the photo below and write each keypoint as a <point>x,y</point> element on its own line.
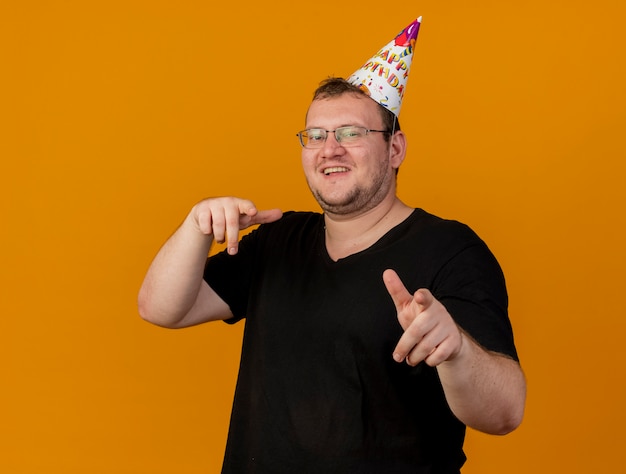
<point>173,293</point>
<point>224,217</point>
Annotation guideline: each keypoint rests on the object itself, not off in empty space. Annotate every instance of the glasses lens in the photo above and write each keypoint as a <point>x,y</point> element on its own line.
<point>350,135</point>
<point>313,137</point>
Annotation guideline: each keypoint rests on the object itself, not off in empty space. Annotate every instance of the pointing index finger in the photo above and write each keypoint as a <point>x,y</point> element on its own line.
<point>398,292</point>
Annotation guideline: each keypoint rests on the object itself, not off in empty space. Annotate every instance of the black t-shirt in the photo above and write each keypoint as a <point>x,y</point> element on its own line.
<point>318,390</point>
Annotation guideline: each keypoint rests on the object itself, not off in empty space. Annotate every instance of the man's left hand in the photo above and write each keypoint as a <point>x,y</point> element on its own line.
<point>430,333</point>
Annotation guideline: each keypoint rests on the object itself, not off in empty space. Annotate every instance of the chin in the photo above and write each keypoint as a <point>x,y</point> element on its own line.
<point>344,207</point>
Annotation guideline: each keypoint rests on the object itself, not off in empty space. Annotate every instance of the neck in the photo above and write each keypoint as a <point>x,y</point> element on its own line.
<point>347,235</point>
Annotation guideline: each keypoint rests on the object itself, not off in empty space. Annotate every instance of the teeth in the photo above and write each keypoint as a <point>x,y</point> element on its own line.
<point>336,169</point>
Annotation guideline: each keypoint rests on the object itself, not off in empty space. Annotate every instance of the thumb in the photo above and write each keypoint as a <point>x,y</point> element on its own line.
<point>424,298</point>
<point>264,217</point>
<point>254,217</point>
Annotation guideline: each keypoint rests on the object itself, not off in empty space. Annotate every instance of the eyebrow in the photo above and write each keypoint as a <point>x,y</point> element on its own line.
<point>340,126</point>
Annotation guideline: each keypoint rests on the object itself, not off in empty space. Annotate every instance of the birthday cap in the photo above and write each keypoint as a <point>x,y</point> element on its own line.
<point>384,76</point>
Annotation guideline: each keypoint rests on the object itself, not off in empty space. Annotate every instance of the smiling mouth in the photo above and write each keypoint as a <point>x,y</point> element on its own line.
<point>334,169</point>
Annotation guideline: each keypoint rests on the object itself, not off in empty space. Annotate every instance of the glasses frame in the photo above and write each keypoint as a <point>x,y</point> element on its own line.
<point>337,136</point>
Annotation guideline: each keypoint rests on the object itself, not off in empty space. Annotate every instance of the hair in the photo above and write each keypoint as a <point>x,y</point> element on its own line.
<point>336,86</point>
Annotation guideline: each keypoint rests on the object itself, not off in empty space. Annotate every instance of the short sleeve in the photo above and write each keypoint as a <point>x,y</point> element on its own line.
<point>472,287</point>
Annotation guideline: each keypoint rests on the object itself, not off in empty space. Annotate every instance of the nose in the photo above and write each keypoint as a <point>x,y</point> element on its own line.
<point>332,147</point>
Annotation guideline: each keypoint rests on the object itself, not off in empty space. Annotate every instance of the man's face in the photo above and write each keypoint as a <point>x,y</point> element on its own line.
<point>352,179</point>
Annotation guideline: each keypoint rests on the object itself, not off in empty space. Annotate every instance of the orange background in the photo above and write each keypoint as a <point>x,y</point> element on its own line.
<point>118,116</point>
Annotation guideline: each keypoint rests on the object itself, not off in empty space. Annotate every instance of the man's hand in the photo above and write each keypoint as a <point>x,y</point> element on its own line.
<point>224,217</point>
<point>173,293</point>
<point>430,333</point>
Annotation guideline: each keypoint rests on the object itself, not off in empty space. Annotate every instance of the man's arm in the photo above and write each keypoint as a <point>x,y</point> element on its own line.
<point>485,390</point>
<point>174,293</point>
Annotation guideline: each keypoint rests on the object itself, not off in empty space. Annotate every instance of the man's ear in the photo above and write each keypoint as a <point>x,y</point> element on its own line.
<point>397,149</point>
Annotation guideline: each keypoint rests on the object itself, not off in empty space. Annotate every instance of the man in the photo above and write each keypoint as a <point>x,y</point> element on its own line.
<point>375,332</point>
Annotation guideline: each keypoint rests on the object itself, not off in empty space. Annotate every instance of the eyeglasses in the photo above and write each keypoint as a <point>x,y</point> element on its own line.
<point>345,136</point>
